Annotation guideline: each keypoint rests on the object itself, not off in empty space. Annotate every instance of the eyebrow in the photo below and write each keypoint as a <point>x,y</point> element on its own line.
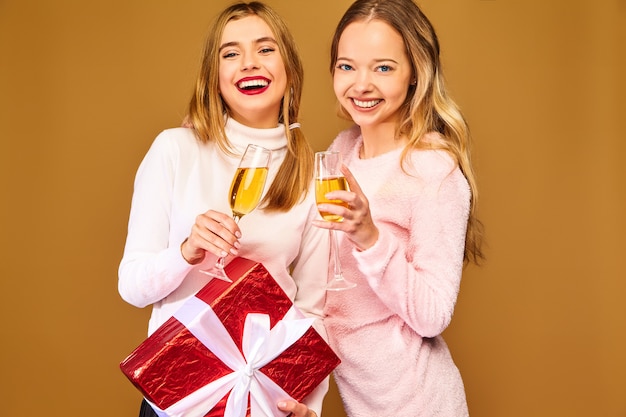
<point>257,41</point>
<point>378,60</point>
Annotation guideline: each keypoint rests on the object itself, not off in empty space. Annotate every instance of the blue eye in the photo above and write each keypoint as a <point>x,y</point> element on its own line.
<point>229,55</point>
<point>267,50</point>
<point>384,68</point>
<point>344,67</point>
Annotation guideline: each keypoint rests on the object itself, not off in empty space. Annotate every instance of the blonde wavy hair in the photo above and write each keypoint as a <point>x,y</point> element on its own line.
<point>428,107</point>
<point>207,109</point>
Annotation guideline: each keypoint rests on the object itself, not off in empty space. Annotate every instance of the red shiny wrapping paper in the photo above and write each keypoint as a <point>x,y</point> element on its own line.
<point>171,363</point>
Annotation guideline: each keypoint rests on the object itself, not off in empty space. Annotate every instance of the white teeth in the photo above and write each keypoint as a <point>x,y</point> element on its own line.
<point>366,104</point>
<point>253,83</point>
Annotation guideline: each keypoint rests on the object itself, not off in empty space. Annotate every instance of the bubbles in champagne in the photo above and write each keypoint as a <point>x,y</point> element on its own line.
<point>246,190</point>
<point>326,185</point>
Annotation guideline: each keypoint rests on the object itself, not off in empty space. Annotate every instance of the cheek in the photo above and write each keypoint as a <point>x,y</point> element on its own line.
<point>339,85</point>
<point>398,91</point>
<point>222,78</point>
<point>223,88</point>
<point>277,73</point>
<point>335,88</point>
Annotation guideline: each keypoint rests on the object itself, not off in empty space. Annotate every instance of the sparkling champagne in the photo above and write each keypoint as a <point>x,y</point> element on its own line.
<point>246,190</point>
<point>326,185</point>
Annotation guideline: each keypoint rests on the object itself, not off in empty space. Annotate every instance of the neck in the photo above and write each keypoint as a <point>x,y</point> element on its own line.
<point>257,121</point>
<point>379,139</point>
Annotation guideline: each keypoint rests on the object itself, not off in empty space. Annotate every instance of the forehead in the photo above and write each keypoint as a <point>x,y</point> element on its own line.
<point>247,29</point>
<point>371,37</point>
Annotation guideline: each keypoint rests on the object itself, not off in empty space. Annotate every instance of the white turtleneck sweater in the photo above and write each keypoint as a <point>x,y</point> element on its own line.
<point>180,178</point>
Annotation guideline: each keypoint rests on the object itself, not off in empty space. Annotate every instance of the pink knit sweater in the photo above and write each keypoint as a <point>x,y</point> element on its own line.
<point>387,331</point>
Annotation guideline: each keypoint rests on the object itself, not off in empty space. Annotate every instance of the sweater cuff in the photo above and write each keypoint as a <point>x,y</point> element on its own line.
<point>373,261</point>
<point>174,263</point>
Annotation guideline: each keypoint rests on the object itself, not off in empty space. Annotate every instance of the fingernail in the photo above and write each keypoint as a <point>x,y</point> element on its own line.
<point>282,404</point>
<point>238,234</point>
<point>223,253</point>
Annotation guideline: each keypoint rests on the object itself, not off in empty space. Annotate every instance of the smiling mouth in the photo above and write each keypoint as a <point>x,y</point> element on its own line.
<point>251,85</point>
<point>366,104</point>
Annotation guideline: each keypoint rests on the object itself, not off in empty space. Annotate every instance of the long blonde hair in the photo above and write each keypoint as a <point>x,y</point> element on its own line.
<point>207,108</point>
<point>428,107</point>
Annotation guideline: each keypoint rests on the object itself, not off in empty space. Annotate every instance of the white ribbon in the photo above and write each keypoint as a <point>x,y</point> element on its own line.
<point>260,346</point>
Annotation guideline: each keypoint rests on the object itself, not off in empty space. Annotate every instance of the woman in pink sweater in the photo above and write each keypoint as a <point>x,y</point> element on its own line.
<point>410,224</point>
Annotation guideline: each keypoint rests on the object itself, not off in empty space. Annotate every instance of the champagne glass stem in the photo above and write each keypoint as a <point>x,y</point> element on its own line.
<point>222,259</point>
<point>338,283</point>
<point>335,250</point>
<point>220,264</point>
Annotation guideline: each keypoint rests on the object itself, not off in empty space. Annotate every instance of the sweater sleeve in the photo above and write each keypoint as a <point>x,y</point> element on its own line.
<point>150,269</point>
<point>310,269</point>
<point>419,279</point>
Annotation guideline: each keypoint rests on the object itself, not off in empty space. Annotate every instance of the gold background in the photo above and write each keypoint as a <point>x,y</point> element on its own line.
<point>540,330</point>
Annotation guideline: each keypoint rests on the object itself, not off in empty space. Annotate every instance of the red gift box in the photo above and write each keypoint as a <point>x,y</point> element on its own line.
<point>181,367</point>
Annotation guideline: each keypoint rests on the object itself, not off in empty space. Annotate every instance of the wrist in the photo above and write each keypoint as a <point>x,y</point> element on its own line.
<point>369,242</point>
<point>191,258</point>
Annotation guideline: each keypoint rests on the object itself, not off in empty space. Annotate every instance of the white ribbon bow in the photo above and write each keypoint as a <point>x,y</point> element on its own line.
<point>260,346</point>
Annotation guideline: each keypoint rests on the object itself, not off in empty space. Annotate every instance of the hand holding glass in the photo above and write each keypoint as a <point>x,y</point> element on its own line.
<point>328,177</point>
<point>245,193</point>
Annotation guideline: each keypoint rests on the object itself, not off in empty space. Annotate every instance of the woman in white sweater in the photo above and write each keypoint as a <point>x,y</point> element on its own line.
<point>248,91</point>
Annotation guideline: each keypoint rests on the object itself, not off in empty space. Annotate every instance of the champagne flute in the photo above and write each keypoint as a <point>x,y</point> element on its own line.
<point>245,193</point>
<point>328,177</point>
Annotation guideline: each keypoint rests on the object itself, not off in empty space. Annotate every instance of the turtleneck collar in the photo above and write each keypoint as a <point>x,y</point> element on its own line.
<point>240,136</point>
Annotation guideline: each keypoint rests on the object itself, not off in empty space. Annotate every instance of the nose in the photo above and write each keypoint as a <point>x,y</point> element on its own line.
<point>249,61</point>
<point>362,81</point>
